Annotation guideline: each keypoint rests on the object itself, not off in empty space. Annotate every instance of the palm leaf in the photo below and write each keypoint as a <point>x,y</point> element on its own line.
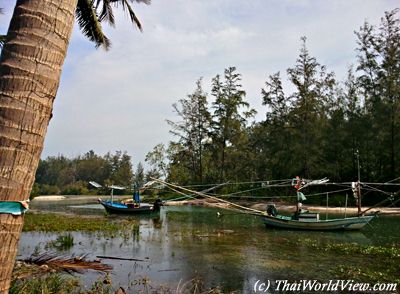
<point>127,7</point>
<point>106,11</point>
<point>2,41</point>
<point>91,13</point>
<point>89,23</point>
<point>143,1</point>
<point>2,37</point>
<point>67,264</point>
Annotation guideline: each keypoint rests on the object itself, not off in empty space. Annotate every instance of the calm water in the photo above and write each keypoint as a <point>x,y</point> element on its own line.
<point>232,251</point>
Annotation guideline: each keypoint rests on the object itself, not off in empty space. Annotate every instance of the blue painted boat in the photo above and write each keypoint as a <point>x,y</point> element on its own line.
<point>130,208</point>
<point>135,207</point>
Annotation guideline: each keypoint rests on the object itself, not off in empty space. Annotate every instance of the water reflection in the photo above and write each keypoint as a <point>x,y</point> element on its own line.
<point>233,252</point>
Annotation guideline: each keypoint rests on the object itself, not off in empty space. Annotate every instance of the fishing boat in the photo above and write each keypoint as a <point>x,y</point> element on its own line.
<point>311,221</point>
<point>306,220</point>
<point>132,206</point>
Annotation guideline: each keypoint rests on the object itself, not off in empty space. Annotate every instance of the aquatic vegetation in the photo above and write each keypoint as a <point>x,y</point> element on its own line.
<point>387,273</point>
<point>36,250</point>
<point>56,283</point>
<point>196,285</point>
<point>61,284</point>
<point>392,251</point>
<point>50,222</point>
<point>102,286</point>
<point>49,284</point>
<point>63,242</point>
<point>43,275</point>
<point>386,270</point>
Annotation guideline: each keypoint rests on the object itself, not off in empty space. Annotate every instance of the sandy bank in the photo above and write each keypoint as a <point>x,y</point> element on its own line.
<point>78,197</point>
<point>48,198</point>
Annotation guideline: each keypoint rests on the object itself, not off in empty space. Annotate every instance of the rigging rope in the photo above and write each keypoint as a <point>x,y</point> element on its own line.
<point>254,211</point>
<point>376,190</point>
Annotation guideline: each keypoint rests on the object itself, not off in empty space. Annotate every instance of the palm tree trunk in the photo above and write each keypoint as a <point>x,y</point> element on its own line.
<point>30,69</point>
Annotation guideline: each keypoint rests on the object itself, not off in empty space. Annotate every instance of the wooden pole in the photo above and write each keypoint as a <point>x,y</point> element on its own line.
<point>359,197</point>
<point>358,184</point>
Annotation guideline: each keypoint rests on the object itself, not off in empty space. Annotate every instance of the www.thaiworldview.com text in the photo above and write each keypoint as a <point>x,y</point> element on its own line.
<point>318,286</point>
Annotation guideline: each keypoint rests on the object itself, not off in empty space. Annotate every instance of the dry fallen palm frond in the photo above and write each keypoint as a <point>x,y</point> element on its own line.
<point>69,264</point>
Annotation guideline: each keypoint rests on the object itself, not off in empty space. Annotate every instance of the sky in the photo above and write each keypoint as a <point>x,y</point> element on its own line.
<point>120,99</point>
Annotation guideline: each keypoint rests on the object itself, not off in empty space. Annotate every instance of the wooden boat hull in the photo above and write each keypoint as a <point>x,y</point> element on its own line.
<point>350,223</point>
<point>120,208</point>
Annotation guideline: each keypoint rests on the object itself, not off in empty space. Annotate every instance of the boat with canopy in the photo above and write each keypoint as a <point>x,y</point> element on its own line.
<point>301,219</point>
<point>133,206</point>
<point>305,220</point>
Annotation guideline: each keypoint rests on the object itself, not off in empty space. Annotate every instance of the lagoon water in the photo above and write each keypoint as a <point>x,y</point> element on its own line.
<point>232,251</point>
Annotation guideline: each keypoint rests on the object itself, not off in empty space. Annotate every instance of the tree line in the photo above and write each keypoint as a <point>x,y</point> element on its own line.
<point>71,176</point>
<point>314,131</point>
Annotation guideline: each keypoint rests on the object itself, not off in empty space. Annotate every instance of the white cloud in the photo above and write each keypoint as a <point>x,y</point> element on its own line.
<point>121,98</point>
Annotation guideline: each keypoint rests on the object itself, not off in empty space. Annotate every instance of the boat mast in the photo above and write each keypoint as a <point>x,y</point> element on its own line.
<point>297,187</point>
<point>358,183</point>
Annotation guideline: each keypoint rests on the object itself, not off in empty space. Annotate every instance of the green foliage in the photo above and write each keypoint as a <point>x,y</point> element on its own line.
<point>187,155</point>
<point>386,270</point>
<point>35,191</point>
<point>90,14</point>
<point>157,160</point>
<point>121,168</point>
<point>49,284</point>
<point>77,188</point>
<point>44,189</point>
<point>378,66</point>
<point>228,122</point>
<point>101,286</point>
<point>91,167</point>
<point>67,176</point>
<point>62,223</point>
<point>139,175</point>
<point>63,242</point>
<point>308,115</point>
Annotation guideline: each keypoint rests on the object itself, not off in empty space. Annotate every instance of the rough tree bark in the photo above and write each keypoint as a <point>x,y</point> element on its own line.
<point>30,69</point>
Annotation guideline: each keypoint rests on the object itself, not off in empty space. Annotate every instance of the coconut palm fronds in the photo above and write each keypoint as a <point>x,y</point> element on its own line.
<point>90,24</point>
<point>2,37</point>
<point>72,264</point>
<point>2,40</point>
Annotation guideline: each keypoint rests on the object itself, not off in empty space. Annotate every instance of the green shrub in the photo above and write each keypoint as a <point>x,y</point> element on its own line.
<point>77,188</point>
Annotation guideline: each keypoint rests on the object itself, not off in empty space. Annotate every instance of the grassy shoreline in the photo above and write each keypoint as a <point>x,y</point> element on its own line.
<point>59,222</point>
